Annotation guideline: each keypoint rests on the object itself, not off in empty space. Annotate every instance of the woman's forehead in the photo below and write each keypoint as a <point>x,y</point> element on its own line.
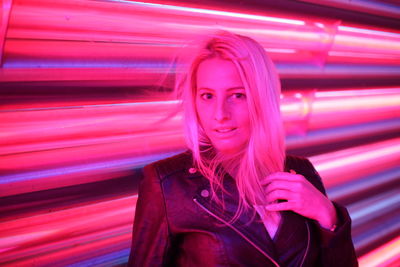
<point>218,74</point>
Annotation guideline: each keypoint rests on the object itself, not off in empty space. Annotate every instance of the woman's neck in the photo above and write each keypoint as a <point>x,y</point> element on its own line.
<point>231,166</point>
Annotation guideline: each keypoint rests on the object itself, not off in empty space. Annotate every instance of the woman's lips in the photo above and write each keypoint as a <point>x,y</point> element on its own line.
<point>225,130</point>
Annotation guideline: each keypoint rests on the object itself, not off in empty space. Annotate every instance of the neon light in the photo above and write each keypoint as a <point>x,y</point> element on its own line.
<point>367,44</point>
<point>360,55</point>
<point>281,50</point>
<point>349,92</point>
<point>216,12</point>
<point>130,104</point>
<point>321,105</point>
<point>393,149</point>
<point>383,255</point>
<point>369,31</point>
<point>378,205</point>
<point>298,95</point>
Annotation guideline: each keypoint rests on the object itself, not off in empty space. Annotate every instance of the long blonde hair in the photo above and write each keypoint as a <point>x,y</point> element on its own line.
<point>265,152</point>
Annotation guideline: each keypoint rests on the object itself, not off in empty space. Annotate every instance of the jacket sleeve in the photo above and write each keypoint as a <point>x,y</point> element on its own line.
<point>337,247</point>
<point>150,237</point>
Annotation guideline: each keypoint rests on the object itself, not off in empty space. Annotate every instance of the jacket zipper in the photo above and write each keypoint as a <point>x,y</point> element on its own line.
<point>238,231</point>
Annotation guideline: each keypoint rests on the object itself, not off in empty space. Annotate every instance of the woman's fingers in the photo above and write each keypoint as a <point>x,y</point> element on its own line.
<point>280,206</point>
<point>274,175</point>
<point>280,195</point>
<point>283,184</point>
<point>286,176</point>
<point>300,195</point>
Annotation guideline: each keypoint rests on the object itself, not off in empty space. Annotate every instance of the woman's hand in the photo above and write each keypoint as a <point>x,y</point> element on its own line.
<point>302,197</point>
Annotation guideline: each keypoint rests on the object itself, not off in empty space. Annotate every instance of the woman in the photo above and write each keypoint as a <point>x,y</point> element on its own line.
<point>234,198</point>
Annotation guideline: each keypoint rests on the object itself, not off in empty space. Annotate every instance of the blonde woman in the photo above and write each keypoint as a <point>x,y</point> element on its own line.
<point>234,198</point>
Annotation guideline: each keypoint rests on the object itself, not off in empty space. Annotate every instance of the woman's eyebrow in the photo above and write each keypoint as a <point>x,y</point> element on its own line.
<point>229,89</point>
<point>236,88</point>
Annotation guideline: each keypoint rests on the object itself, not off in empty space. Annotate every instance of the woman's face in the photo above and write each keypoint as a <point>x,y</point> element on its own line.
<point>222,106</point>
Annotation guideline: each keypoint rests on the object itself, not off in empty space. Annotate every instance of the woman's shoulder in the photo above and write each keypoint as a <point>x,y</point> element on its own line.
<point>303,166</point>
<point>295,158</point>
<point>297,162</point>
<point>182,162</point>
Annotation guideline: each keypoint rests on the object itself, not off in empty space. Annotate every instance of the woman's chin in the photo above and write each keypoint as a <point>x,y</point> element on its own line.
<point>229,150</point>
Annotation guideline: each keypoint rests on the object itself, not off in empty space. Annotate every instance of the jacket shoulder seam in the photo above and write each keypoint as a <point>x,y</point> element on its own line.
<point>168,167</point>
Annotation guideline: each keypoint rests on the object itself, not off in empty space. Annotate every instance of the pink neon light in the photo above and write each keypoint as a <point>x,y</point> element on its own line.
<point>218,13</point>
<point>74,231</point>
<point>41,26</point>
<point>385,255</point>
<point>344,165</point>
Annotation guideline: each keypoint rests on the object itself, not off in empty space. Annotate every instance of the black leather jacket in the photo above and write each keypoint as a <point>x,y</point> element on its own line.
<point>178,224</point>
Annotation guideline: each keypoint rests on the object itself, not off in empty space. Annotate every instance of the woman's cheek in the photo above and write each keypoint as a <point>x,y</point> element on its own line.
<point>203,114</point>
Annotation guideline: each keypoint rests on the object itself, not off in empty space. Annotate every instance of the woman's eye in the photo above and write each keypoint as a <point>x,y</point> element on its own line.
<point>239,95</point>
<point>206,96</point>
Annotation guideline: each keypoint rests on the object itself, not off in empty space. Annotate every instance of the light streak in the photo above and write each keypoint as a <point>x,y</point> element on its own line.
<point>387,254</point>
<point>216,12</point>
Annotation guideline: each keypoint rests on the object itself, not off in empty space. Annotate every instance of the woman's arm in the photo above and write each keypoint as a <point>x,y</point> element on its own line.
<point>337,247</point>
<point>151,238</point>
<point>305,195</point>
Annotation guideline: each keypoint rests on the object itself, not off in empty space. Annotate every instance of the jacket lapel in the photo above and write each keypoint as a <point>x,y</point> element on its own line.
<point>251,230</point>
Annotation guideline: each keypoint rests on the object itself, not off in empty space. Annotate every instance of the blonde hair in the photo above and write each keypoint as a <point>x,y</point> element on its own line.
<point>265,152</point>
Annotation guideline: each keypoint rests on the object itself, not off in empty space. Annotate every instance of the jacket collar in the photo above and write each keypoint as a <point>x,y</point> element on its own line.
<point>249,228</point>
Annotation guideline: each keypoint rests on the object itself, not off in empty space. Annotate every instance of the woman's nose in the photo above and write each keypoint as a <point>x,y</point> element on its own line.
<point>221,111</point>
